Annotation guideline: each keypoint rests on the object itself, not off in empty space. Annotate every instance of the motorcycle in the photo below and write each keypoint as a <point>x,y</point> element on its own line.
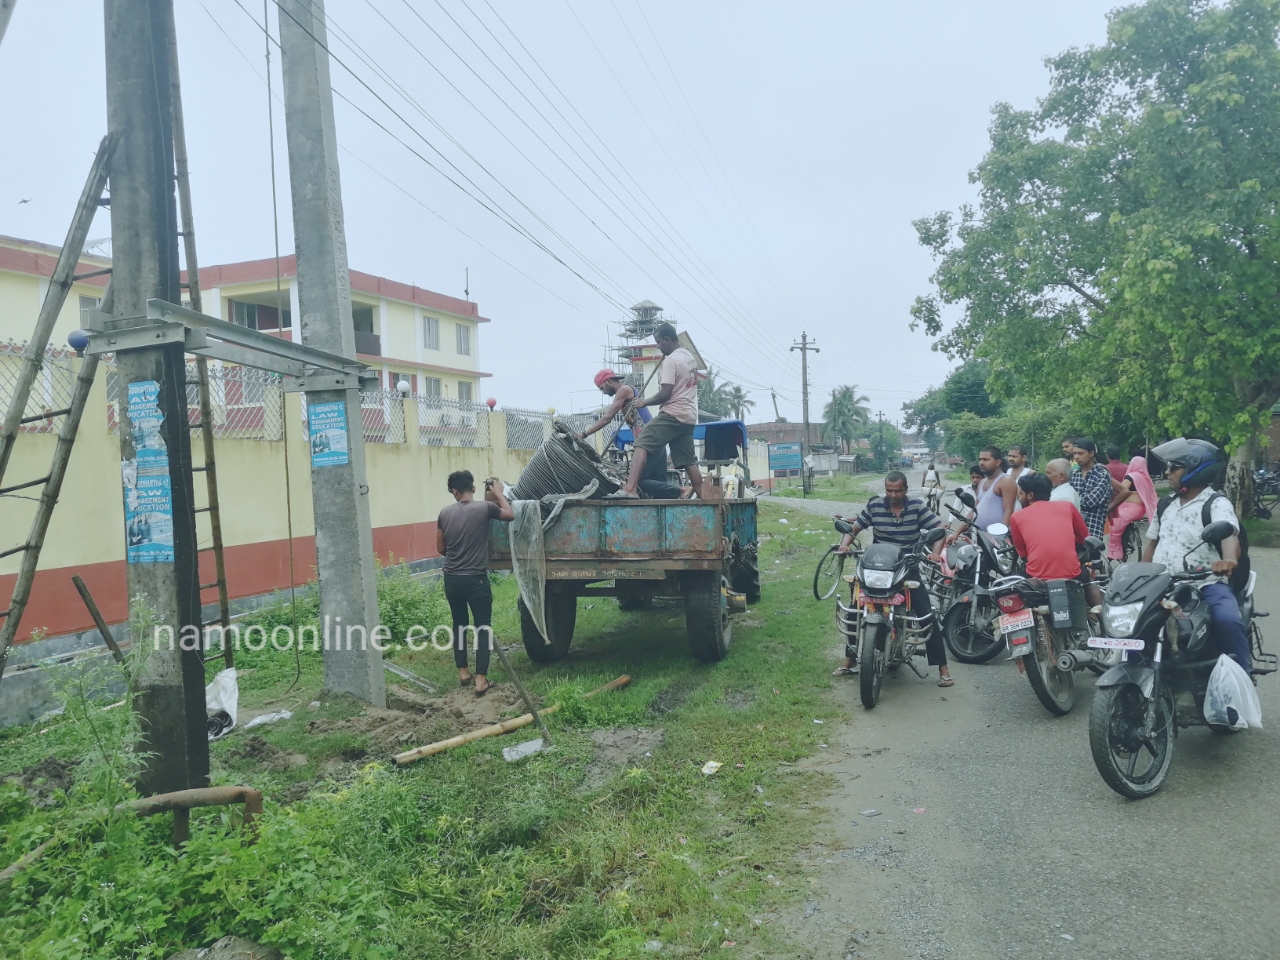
<point>1047,627</point>
<point>879,622</point>
<point>977,562</point>
<point>1162,619</point>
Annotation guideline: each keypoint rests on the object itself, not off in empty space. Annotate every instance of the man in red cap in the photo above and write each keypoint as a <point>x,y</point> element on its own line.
<point>610,384</point>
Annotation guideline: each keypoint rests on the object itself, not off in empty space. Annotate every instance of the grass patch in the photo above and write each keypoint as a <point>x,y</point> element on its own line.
<point>464,855</point>
<point>840,487</point>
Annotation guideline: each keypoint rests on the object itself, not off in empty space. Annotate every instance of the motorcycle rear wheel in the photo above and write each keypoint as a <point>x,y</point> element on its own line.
<point>1114,723</point>
<point>968,633</point>
<point>1055,689</point>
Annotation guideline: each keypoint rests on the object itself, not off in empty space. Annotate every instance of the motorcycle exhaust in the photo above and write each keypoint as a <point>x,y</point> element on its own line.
<point>1075,660</point>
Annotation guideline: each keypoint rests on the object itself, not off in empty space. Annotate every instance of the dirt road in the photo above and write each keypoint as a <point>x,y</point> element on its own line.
<point>996,838</point>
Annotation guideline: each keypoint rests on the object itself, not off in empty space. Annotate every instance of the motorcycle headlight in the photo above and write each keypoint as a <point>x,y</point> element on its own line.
<point>1120,620</point>
<point>878,579</point>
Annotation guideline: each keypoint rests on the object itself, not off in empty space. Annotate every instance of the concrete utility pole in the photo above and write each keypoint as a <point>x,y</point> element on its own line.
<point>339,486</point>
<point>6,11</point>
<point>155,442</point>
<point>805,346</point>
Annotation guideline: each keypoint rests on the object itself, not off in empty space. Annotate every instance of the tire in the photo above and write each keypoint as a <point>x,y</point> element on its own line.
<point>1117,711</point>
<point>964,643</point>
<point>562,614</point>
<point>826,578</point>
<point>871,664</point>
<point>1055,689</point>
<point>706,615</point>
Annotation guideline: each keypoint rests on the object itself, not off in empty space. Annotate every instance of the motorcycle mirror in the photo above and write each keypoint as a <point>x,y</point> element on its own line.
<point>964,496</point>
<point>1215,533</point>
<point>934,535</point>
<point>998,530</point>
<point>844,526</point>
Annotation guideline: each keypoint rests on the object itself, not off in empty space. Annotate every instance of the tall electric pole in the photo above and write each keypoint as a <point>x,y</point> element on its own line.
<point>6,11</point>
<point>155,440</point>
<point>339,484</point>
<point>805,346</point>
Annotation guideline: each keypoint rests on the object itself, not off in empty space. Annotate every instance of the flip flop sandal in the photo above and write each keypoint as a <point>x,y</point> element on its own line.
<point>844,671</point>
<point>463,683</point>
<point>947,682</point>
<point>481,693</point>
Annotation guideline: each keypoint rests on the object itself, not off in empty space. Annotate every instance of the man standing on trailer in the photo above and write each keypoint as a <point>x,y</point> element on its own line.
<point>673,426</point>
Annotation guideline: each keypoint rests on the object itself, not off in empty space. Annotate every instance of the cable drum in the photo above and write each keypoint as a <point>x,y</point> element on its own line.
<point>564,464</point>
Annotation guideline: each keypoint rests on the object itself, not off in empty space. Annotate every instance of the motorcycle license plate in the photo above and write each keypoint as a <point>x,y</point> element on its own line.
<point>1013,622</point>
<point>1115,643</point>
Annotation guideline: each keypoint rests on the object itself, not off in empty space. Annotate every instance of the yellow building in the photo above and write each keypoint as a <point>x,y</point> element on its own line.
<point>412,441</point>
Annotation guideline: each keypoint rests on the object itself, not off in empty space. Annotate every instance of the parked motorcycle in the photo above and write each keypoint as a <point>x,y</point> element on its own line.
<point>977,562</point>
<point>1161,617</point>
<point>879,622</point>
<point>1047,627</point>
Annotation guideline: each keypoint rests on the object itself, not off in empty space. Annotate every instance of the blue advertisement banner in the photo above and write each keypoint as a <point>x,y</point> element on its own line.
<point>148,497</point>
<point>327,423</point>
<point>785,456</point>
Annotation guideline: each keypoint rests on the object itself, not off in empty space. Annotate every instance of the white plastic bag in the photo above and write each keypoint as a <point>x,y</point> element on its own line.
<point>1231,700</point>
<point>221,700</point>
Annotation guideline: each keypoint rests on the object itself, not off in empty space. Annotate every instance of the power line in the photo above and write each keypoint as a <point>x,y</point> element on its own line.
<point>548,146</point>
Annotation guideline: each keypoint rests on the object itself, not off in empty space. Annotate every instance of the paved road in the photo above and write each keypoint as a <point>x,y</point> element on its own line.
<point>1020,850</point>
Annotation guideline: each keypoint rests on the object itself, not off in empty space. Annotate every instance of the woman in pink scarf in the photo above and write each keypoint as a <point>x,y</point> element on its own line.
<point>1134,500</point>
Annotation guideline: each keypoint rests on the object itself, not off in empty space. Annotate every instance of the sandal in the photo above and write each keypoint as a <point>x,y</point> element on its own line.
<point>946,681</point>
<point>481,693</point>
<point>462,682</point>
<point>845,671</point>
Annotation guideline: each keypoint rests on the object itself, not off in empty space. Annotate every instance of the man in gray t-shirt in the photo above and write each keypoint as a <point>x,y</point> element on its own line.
<point>462,538</point>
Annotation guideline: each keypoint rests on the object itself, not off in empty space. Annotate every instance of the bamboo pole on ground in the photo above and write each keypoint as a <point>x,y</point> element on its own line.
<point>493,730</point>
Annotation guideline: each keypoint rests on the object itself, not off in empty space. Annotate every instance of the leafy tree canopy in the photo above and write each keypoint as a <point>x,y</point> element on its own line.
<point>845,416</point>
<point>1125,249</point>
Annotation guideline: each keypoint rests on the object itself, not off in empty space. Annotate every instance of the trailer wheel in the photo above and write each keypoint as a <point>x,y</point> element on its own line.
<point>562,613</point>
<point>706,615</point>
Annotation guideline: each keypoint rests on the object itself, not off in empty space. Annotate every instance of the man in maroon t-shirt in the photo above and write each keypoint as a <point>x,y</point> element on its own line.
<point>1046,533</point>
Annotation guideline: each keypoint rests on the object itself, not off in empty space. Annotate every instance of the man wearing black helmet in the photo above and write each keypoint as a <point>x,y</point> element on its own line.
<point>1192,467</point>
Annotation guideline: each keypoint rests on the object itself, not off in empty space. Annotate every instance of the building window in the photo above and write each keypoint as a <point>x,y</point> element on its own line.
<point>464,389</point>
<point>431,387</point>
<point>244,314</point>
<point>86,305</point>
<point>431,333</point>
<point>464,340</point>
<point>362,318</point>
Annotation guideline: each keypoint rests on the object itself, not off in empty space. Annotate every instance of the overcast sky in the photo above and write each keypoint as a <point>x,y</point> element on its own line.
<point>752,167</point>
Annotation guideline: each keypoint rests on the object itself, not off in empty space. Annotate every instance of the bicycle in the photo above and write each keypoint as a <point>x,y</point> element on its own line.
<point>830,570</point>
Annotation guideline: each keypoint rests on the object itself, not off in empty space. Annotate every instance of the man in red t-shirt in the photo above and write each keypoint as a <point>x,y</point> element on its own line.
<point>1046,533</point>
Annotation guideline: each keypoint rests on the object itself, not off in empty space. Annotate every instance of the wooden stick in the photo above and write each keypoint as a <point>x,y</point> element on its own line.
<point>493,730</point>
<point>99,622</point>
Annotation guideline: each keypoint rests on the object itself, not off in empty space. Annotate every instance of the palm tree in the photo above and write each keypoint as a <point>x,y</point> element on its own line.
<point>713,398</point>
<point>739,402</point>
<point>843,416</point>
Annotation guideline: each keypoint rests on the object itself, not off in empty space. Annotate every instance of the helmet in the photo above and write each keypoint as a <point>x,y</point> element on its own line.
<point>1202,463</point>
<point>605,375</point>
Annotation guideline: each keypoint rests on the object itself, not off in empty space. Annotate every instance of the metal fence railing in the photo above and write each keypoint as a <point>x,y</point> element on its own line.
<point>382,415</point>
<point>526,429</point>
<point>51,391</point>
<point>452,423</point>
<point>247,404</point>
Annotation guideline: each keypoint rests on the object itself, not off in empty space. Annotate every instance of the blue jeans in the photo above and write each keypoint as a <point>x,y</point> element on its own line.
<point>1228,627</point>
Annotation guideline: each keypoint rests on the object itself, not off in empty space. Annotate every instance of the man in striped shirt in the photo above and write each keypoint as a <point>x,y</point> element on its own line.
<point>901,520</point>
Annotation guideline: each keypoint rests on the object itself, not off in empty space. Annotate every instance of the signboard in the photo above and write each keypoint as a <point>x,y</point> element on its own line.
<point>148,496</point>
<point>785,456</point>
<point>328,427</point>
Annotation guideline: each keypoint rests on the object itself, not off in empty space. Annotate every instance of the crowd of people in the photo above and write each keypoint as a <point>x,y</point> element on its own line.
<point>1049,515</point>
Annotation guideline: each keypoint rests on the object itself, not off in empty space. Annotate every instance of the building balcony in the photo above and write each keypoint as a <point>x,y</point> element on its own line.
<point>369,344</point>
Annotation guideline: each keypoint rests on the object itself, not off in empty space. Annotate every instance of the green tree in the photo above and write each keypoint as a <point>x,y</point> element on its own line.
<point>1125,247</point>
<point>845,416</point>
<point>738,401</point>
<point>964,391</point>
<point>713,397</point>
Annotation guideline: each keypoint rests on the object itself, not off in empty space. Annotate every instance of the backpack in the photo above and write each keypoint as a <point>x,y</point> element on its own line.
<point>1240,575</point>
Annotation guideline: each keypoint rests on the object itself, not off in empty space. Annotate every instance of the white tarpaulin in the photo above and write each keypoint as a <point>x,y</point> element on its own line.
<point>528,561</point>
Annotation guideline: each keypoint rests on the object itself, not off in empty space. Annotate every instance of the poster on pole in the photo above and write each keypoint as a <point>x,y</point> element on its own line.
<point>785,457</point>
<point>148,495</point>
<point>327,423</point>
